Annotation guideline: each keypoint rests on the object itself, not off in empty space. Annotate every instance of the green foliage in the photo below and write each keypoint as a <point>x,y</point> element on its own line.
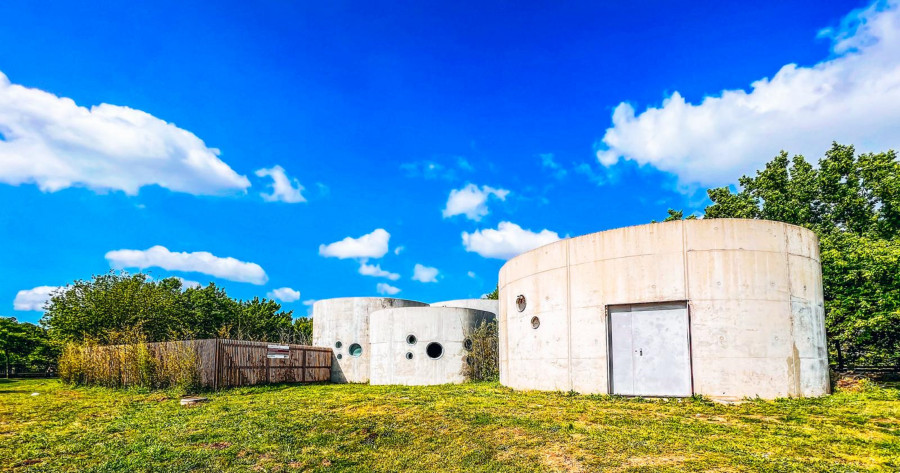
<point>852,202</point>
<point>25,347</point>
<point>493,295</point>
<point>480,427</point>
<point>116,303</point>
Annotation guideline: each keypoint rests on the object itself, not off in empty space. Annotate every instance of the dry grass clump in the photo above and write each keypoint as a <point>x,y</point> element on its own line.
<point>131,362</point>
<point>483,360</point>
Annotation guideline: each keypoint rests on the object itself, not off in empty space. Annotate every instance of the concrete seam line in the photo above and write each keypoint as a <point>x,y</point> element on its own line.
<point>569,313</point>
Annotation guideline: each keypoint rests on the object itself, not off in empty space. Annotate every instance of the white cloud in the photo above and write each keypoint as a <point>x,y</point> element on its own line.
<point>200,261</point>
<point>506,241</point>
<point>372,245</point>
<point>284,188</point>
<point>471,274</point>
<point>548,162</point>
<point>387,289</point>
<point>399,249</point>
<point>284,294</point>
<point>33,299</point>
<point>472,201</point>
<point>423,273</point>
<point>54,143</point>
<point>853,97</point>
<point>375,270</point>
<point>186,283</point>
<point>309,302</point>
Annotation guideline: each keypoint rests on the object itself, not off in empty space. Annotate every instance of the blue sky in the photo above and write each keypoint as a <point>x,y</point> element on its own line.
<point>445,136</point>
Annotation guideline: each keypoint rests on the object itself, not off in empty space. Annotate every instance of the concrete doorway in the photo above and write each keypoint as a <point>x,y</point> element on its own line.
<point>650,350</point>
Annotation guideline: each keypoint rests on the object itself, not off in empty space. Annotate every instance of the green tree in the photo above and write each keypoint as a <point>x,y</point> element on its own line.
<point>26,346</point>
<point>493,295</point>
<point>852,202</point>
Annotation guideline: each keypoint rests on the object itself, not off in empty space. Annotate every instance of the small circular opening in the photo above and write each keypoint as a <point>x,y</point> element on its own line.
<point>467,344</point>
<point>469,361</point>
<point>434,350</point>
<point>411,339</point>
<point>535,322</point>
<point>409,355</point>
<point>338,344</point>
<point>339,356</point>
<point>520,303</point>
<point>355,350</point>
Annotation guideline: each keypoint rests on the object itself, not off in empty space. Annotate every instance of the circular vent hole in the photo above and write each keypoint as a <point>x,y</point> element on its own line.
<point>535,322</point>
<point>411,339</point>
<point>355,350</point>
<point>409,355</point>
<point>520,303</point>
<point>339,356</point>
<point>467,344</point>
<point>434,350</point>
<point>338,344</point>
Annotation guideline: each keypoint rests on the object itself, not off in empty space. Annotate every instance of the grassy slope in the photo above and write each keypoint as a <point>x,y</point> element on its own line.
<point>480,427</point>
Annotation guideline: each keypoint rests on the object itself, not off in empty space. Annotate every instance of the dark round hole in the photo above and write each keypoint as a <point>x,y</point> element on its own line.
<point>535,322</point>
<point>355,350</point>
<point>520,303</point>
<point>434,350</point>
<point>409,355</point>
<point>469,361</point>
<point>338,344</point>
<point>411,339</point>
<point>467,344</point>
<point>339,356</point>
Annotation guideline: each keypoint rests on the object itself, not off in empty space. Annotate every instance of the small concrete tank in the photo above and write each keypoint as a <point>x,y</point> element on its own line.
<point>487,305</point>
<point>343,325</point>
<point>420,346</point>
<point>726,308</point>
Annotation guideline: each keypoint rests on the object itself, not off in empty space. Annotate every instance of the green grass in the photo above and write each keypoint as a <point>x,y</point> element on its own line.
<point>473,427</point>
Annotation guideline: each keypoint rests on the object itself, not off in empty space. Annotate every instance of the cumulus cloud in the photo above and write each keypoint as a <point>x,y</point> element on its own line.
<point>548,162</point>
<point>506,241</point>
<point>852,97</point>
<point>52,142</point>
<point>284,294</point>
<point>187,283</point>
<point>471,274</point>
<point>284,188</point>
<point>386,289</point>
<point>424,273</point>
<point>471,201</point>
<point>200,262</point>
<point>34,299</point>
<point>375,270</point>
<point>372,245</point>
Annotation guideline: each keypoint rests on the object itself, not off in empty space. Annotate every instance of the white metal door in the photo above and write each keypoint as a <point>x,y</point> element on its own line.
<point>650,350</point>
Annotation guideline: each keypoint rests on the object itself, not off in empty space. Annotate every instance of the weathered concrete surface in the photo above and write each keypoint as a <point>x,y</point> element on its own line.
<point>397,361</point>
<point>487,305</point>
<point>346,320</point>
<point>754,292</point>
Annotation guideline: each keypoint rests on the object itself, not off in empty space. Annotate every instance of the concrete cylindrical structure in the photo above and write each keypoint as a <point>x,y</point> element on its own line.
<point>751,292</point>
<point>343,325</point>
<point>487,305</point>
<point>420,346</point>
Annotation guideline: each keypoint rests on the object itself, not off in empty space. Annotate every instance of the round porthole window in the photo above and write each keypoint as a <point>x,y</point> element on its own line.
<point>355,350</point>
<point>520,303</point>
<point>411,339</point>
<point>434,350</point>
<point>409,355</point>
<point>338,344</point>
<point>339,356</point>
<point>467,344</point>
<point>535,322</point>
<point>469,361</point>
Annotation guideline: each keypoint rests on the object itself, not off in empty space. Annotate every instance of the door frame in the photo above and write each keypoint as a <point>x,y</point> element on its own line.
<point>609,364</point>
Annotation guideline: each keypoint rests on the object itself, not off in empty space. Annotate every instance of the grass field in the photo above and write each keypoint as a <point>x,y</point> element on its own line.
<point>474,427</point>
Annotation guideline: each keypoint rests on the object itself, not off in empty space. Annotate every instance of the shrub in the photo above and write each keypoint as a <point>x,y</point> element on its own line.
<point>483,360</point>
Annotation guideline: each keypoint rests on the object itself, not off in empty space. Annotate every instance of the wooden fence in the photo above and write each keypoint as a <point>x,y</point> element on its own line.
<point>220,363</point>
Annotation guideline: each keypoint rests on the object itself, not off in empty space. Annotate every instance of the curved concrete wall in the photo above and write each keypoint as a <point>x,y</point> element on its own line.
<point>346,320</point>
<point>753,290</point>
<point>487,305</point>
<point>396,361</point>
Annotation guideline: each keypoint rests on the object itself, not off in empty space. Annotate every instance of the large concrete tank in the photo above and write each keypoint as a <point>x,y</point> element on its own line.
<point>343,325</point>
<point>421,345</point>
<point>487,305</point>
<point>726,308</point>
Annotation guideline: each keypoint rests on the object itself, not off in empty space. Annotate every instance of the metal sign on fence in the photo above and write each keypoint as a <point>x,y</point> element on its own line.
<point>278,351</point>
